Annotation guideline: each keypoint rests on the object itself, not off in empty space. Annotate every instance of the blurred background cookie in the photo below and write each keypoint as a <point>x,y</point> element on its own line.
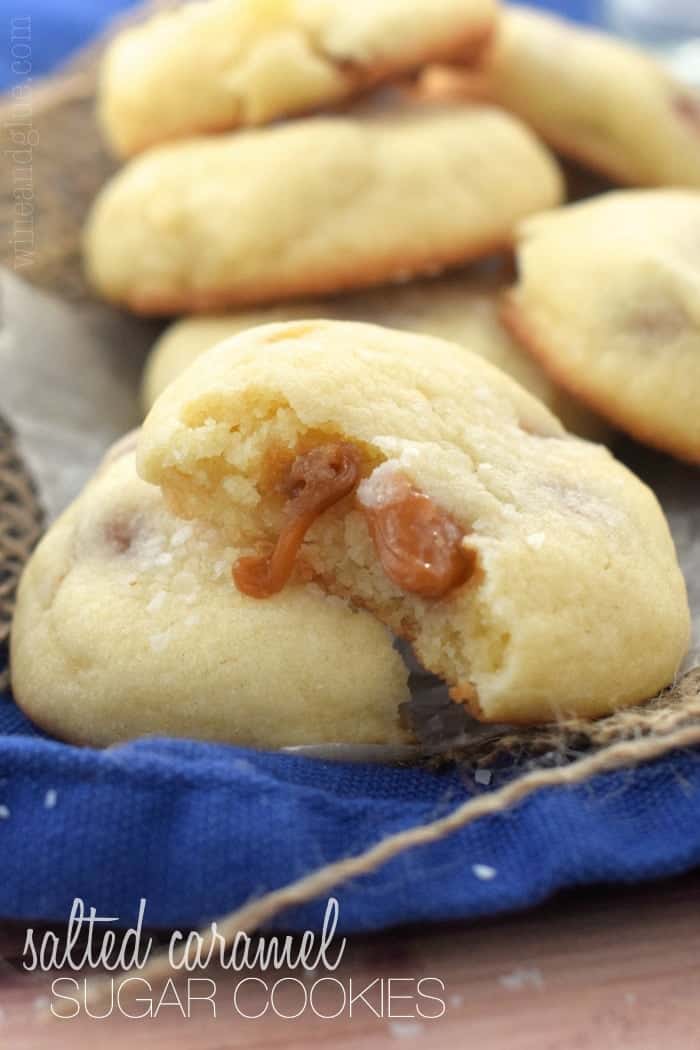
<point>593,97</point>
<point>314,206</point>
<point>608,302</point>
<point>182,652</point>
<point>462,308</point>
<point>228,63</point>
<point>528,568</point>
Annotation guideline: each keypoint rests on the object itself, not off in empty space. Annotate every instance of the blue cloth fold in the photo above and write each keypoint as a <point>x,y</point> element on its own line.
<point>197,829</point>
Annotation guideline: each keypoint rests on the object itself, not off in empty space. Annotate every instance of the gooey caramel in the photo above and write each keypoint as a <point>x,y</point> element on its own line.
<point>315,482</point>
<point>418,544</point>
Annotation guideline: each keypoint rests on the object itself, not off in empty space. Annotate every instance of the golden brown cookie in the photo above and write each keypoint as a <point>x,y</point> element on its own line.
<point>221,64</point>
<point>314,206</point>
<point>608,302</point>
<point>127,624</point>
<point>460,307</point>
<point>595,98</point>
<point>528,568</point>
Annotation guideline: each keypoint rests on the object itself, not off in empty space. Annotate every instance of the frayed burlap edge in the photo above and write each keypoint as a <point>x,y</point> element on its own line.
<point>21,521</point>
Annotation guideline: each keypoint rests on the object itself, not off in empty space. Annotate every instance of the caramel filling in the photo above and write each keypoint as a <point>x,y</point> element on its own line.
<point>418,544</point>
<point>315,481</point>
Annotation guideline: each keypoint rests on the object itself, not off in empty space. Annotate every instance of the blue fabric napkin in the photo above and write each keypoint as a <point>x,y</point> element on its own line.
<point>198,829</point>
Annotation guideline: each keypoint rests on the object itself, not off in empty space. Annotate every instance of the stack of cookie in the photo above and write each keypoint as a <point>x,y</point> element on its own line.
<point>305,491</point>
<point>263,212</point>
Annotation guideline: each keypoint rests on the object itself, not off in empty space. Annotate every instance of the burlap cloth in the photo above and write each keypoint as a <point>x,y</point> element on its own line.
<point>20,527</point>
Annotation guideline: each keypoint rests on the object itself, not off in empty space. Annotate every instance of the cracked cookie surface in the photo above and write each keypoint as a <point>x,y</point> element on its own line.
<point>528,568</point>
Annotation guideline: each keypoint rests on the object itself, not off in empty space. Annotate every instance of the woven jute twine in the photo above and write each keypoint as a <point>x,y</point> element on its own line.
<point>69,165</point>
<point>20,527</point>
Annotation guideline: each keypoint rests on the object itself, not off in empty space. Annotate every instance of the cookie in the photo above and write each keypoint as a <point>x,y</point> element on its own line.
<point>460,308</point>
<point>528,568</point>
<point>223,64</point>
<point>127,625</point>
<point>594,98</point>
<point>314,206</point>
<point>608,302</point>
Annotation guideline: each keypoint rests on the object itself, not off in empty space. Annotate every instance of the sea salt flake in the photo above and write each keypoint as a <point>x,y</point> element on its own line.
<point>159,642</point>
<point>405,1029</point>
<point>527,977</point>
<point>484,872</point>
<point>483,776</point>
<point>164,558</point>
<point>156,602</point>
<point>50,798</point>
<point>4,812</point>
<point>181,536</point>
<point>535,540</point>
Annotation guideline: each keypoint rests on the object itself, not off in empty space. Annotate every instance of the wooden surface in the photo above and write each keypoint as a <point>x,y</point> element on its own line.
<point>598,970</point>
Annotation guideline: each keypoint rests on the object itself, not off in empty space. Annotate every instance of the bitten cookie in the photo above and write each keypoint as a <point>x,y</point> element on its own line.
<point>225,63</point>
<point>608,302</point>
<point>127,625</point>
<point>595,98</point>
<point>459,308</point>
<point>528,568</point>
<point>314,206</point>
